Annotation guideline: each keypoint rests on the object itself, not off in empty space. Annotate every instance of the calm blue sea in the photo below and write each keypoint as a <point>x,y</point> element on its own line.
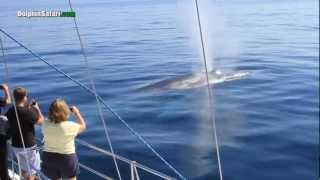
<point>267,123</point>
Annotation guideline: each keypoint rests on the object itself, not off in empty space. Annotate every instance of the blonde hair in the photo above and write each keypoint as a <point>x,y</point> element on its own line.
<point>58,111</point>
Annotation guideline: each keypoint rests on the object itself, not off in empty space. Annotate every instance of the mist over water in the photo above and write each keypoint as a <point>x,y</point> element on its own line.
<point>220,42</point>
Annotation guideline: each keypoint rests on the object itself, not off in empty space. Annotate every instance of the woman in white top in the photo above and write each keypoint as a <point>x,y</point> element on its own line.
<point>59,155</point>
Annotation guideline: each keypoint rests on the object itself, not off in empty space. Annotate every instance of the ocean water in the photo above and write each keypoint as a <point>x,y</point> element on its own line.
<point>267,123</point>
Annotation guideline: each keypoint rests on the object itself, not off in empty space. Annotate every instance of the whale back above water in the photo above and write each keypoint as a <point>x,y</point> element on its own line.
<point>195,80</point>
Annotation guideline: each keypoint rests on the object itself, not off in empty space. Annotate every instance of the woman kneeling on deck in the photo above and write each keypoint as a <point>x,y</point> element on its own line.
<point>59,159</point>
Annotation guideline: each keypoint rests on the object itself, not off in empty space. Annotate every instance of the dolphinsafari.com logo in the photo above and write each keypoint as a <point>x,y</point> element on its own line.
<point>29,14</point>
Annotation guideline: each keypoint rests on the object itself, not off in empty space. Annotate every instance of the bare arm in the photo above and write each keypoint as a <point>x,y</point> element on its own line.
<point>79,118</point>
<point>40,119</point>
<point>6,93</point>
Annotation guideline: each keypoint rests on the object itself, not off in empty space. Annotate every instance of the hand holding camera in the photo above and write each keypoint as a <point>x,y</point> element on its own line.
<point>34,104</point>
<point>4,87</point>
<point>74,110</point>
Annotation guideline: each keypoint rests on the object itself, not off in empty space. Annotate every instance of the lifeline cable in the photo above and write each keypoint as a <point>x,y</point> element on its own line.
<point>93,86</point>
<point>101,100</point>
<point>209,91</point>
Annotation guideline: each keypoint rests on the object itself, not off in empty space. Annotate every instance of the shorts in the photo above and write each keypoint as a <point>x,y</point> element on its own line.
<point>29,159</point>
<point>56,165</point>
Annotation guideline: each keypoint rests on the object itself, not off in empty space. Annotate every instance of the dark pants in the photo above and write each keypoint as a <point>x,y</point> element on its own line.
<point>3,158</point>
<point>56,166</point>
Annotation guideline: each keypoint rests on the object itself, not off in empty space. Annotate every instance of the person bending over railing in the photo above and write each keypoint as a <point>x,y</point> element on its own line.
<point>59,159</point>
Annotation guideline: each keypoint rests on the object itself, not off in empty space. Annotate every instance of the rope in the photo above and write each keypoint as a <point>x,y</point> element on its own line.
<point>93,86</point>
<point>101,100</point>
<point>209,92</point>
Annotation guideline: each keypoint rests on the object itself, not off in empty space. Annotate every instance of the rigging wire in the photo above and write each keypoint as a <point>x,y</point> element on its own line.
<point>211,108</point>
<point>13,102</point>
<point>86,88</point>
<point>93,86</point>
<point>6,75</point>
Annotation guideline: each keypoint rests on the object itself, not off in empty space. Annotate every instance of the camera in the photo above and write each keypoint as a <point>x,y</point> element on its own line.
<point>33,102</point>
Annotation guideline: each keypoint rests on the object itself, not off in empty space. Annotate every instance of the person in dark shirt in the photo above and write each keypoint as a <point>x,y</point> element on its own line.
<point>24,143</point>
<point>4,136</point>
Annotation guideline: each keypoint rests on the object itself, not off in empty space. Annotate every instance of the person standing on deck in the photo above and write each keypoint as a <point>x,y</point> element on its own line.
<point>4,134</point>
<point>25,148</point>
<point>59,156</point>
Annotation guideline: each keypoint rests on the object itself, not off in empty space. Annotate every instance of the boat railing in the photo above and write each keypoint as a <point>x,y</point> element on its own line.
<point>134,166</point>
